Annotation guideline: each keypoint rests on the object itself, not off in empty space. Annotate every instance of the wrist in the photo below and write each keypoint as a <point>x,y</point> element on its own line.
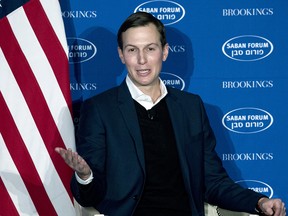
<point>84,177</point>
<point>86,180</point>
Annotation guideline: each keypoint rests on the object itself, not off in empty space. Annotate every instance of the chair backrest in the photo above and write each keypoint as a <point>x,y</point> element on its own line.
<point>211,210</point>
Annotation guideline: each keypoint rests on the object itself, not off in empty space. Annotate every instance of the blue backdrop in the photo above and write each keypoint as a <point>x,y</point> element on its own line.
<point>232,53</point>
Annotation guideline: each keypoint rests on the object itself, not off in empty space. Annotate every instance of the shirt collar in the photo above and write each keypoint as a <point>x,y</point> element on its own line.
<point>143,99</point>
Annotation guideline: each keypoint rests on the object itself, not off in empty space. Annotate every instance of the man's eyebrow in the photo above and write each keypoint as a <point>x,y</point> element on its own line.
<point>127,45</point>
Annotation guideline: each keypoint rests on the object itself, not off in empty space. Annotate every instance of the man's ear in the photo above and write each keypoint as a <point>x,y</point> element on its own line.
<point>165,52</point>
<point>121,56</point>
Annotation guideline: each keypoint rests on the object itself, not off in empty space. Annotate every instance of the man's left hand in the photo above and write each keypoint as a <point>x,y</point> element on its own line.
<point>273,207</point>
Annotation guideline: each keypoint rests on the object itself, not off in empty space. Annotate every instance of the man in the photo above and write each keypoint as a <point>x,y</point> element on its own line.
<point>145,149</point>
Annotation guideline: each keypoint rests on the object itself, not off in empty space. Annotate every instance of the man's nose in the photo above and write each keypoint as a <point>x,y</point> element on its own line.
<point>142,58</point>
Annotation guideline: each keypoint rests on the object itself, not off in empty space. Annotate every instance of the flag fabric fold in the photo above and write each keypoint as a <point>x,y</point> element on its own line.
<point>35,110</point>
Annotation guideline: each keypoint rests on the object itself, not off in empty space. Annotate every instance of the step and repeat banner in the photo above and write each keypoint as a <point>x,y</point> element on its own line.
<point>232,53</point>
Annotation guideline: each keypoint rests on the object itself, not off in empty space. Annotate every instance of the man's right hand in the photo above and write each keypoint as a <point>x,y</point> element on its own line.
<point>75,161</point>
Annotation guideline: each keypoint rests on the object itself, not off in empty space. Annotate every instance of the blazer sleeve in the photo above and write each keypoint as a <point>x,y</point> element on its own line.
<point>220,189</point>
<point>91,146</point>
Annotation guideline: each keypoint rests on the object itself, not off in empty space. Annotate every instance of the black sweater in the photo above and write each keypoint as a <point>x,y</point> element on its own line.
<point>164,192</point>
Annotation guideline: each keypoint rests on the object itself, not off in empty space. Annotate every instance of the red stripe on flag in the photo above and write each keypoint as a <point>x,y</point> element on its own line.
<point>23,162</point>
<point>35,101</point>
<point>6,201</point>
<point>50,45</point>
<point>59,63</point>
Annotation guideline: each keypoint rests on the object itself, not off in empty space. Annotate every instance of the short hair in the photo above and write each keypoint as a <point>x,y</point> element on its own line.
<point>141,19</point>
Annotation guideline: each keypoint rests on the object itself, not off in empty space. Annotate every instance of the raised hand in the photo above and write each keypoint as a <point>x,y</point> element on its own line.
<point>75,161</point>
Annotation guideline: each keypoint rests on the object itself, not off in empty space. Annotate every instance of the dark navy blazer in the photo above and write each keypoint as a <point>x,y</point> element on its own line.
<point>109,139</point>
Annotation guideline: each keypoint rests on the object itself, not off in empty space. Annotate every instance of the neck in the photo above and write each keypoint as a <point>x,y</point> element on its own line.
<point>153,91</point>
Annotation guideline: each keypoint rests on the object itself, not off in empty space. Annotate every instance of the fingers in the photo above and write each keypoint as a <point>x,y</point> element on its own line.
<point>74,160</point>
<point>274,207</point>
<point>279,208</point>
<point>65,154</point>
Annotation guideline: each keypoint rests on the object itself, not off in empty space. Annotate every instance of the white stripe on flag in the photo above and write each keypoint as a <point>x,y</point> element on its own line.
<point>40,65</point>
<point>51,8</point>
<point>11,178</point>
<point>34,143</point>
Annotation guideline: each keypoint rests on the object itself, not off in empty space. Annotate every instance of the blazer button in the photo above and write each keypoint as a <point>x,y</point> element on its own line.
<point>136,197</point>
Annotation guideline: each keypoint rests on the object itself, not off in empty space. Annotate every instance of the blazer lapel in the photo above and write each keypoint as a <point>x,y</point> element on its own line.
<point>129,114</point>
<point>177,119</point>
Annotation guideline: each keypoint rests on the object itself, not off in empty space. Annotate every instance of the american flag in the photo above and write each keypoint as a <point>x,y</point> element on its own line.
<point>35,110</point>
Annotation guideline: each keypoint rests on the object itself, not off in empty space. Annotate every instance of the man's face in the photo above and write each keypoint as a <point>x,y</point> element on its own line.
<point>143,54</point>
